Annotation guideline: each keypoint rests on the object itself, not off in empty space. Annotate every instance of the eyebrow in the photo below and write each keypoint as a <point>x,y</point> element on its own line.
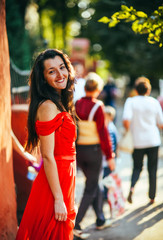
<point>54,67</point>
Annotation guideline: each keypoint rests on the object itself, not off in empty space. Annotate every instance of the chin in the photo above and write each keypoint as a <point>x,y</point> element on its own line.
<point>64,86</point>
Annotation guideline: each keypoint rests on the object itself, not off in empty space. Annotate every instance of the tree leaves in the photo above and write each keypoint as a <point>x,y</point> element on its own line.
<point>127,52</point>
<point>141,14</point>
<point>141,22</point>
<point>104,19</point>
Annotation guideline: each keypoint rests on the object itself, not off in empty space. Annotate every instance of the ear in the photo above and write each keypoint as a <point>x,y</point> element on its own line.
<point>148,92</point>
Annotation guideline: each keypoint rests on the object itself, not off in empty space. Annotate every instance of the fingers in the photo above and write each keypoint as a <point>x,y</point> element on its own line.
<point>61,217</point>
<point>60,211</point>
<point>112,167</point>
<point>112,164</point>
<point>65,218</point>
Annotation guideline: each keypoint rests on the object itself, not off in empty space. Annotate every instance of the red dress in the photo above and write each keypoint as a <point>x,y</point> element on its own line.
<point>38,222</point>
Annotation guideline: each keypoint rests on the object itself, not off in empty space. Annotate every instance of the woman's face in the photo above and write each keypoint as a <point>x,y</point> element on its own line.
<point>56,73</point>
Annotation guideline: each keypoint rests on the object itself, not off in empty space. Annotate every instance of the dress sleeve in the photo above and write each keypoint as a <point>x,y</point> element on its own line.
<point>48,127</point>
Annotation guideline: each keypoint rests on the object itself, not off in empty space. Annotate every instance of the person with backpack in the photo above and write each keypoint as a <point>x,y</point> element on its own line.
<point>93,138</point>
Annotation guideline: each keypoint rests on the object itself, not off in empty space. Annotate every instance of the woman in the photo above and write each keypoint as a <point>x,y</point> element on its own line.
<point>49,213</point>
<point>144,115</point>
<point>92,138</point>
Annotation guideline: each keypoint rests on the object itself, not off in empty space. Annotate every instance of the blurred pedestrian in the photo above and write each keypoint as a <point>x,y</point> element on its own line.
<point>143,115</point>
<point>49,212</point>
<point>93,138</point>
<point>80,80</point>
<point>110,113</point>
<point>109,93</point>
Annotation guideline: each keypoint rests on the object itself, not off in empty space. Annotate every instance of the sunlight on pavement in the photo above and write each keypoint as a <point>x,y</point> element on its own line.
<point>154,233</point>
<point>150,216</point>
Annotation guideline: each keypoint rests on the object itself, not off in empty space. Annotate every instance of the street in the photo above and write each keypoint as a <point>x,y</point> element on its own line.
<point>140,221</point>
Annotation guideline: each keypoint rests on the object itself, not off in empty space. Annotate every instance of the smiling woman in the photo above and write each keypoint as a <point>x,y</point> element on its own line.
<point>50,213</point>
<point>56,73</point>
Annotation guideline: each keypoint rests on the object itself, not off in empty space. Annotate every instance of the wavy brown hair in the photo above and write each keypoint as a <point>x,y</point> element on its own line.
<point>40,91</point>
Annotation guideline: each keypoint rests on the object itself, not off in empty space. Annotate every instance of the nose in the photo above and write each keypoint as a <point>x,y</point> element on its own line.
<point>59,74</point>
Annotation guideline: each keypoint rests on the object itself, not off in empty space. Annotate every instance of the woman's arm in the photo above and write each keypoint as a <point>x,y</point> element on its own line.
<point>47,111</point>
<point>19,149</point>
<point>127,113</point>
<point>126,124</point>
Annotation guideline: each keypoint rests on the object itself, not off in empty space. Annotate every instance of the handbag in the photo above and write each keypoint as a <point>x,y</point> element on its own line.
<point>126,142</point>
<point>115,196</point>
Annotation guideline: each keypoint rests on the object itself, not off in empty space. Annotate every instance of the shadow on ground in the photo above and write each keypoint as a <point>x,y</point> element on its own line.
<point>130,225</point>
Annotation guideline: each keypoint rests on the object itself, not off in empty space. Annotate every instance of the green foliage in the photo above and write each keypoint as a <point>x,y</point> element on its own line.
<point>18,38</point>
<point>127,52</point>
<point>152,25</point>
<point>54,19</point>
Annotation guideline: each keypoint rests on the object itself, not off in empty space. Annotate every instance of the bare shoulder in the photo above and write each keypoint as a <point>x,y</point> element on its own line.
<point>47,111</point>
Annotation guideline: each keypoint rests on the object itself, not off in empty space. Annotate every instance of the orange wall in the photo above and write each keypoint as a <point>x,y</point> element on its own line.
<point>8,222</point>
<point>23,185</point>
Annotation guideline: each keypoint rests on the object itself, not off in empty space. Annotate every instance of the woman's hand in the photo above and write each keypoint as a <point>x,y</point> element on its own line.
<point>111,164</point>
<point>60,210</point>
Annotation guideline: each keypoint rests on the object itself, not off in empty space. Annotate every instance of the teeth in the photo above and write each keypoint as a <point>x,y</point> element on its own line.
<point>60,81</point>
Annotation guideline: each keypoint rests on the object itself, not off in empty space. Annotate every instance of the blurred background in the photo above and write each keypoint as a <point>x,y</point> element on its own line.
<point>72,25</point>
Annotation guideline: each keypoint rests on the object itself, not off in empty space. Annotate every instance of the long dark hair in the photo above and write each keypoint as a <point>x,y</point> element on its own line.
<point>40,91</point>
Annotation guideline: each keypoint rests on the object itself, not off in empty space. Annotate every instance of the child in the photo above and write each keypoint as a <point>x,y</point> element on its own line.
<point>110,113</point>
<point>111,181</point>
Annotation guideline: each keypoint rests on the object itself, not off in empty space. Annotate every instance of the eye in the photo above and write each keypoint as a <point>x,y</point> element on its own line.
<point>62,67</point>
<point>52,71</point>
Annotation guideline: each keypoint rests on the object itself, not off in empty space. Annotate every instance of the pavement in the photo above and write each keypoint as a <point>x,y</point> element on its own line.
<point>140,220</point>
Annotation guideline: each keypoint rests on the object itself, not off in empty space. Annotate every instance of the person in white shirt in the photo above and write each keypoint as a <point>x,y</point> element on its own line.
<point>80,81</point>
<point>143,115</point>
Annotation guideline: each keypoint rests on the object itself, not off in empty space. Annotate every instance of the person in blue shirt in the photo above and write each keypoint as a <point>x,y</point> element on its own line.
<point>110,113</point>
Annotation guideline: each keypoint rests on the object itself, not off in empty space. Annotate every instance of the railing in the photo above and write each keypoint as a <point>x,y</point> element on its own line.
<point>19,84</point>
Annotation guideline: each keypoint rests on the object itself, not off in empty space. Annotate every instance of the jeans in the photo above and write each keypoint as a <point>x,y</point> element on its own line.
<point>89,159</point>
<point>138,156</point>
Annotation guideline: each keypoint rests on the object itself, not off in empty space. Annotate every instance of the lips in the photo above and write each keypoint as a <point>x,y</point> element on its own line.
<point>60,81</point>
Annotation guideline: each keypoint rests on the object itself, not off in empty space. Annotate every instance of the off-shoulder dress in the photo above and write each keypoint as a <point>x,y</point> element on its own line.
<point>38,222</point>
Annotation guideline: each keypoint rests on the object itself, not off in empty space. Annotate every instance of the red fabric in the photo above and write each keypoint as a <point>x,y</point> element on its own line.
<point>65,133</point>
<point>83,108</point>
<point>38,222</point>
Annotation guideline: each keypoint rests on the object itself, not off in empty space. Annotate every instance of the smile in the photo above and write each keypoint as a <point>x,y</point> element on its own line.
<point>60,81</point>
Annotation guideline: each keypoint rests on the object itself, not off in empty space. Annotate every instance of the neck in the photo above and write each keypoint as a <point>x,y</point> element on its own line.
<point>92,94</point>
<point>58,91</point>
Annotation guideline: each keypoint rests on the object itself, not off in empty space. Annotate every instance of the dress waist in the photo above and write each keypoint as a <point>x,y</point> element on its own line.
<point>65,157</point>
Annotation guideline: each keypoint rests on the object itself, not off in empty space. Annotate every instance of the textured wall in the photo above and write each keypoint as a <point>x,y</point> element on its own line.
<point>8,223</point>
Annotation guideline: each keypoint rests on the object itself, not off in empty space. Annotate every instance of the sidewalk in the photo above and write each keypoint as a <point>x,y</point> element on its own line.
<point>140,220</point>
